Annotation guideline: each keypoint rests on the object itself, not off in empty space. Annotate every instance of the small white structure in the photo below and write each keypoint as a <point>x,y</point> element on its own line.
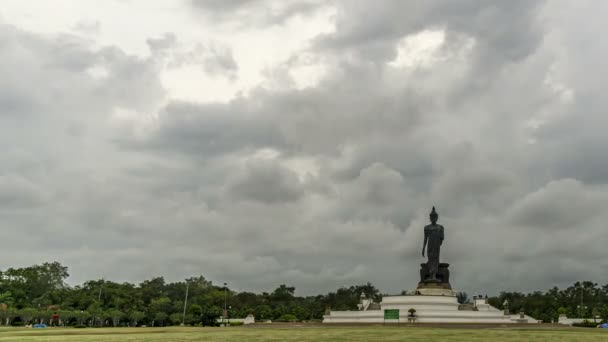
<point>430,308</point>
<point>247,320</point>
<point>563,319</point>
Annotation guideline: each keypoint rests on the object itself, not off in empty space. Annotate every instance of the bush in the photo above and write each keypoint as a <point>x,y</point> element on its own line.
<point>287,318</point>
<point>586,324</point>
<point>236,324</point>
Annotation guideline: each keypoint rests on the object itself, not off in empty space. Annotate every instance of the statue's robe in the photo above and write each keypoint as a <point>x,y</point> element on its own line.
<point>434,236</point>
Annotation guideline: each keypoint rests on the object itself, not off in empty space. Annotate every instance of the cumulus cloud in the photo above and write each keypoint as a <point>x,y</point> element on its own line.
<point>498,124</point>
<point>254,12</point>
<point>267,182</point>
<point>215,58</point>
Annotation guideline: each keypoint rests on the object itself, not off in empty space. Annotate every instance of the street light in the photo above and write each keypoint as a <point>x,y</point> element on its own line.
<point>225,309</point>
<point>185,302</point>
<point>582,305</point>
<point>581,309</point>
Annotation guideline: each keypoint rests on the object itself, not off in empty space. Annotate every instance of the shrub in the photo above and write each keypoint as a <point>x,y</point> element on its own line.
<point>586,324</point>
<point>236,324</point>
<point>287,318</point>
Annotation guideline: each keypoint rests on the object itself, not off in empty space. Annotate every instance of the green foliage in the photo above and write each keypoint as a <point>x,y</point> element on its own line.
<point>36,293</point>
<point>27,315</point>
<point>347,298</point>
<point>160,318</point>
<point>195,310</point>
<point>38,284</point>
<point>282,294</point>
<point>80,316</point>
<point>287,318</point>
<point>547,306</point>
<point>586,324</point>
<point>115,315</point>
<point>136,316</point>
<point>462,297</point>
<point>175,318</point>
<point>6,298</point>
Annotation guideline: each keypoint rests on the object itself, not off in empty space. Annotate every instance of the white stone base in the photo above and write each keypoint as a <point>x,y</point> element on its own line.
<point>436,292</point>
<point>563,319</point>
<point>429,309</point>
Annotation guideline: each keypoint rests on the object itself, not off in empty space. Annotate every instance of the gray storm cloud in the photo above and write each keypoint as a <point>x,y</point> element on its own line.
<point>325,185</point>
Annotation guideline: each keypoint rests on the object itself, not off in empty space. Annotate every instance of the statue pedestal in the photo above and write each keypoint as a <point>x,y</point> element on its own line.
<point>432,291</point>
<point>440,286</point>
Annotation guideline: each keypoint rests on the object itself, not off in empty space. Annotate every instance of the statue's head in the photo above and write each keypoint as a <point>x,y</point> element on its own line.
<point>434,216</point>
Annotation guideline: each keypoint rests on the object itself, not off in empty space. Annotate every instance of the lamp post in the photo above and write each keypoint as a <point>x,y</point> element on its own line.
<point>225,302</point>
<point>100,287</point>
<point>581,310</point>
<point>581,306</point>
<point>185,302</point>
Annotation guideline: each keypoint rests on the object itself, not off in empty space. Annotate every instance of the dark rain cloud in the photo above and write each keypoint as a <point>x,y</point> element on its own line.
<point>326,185</point>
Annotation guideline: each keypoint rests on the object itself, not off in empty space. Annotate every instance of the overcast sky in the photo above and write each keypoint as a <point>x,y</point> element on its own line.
<point>305,142</point>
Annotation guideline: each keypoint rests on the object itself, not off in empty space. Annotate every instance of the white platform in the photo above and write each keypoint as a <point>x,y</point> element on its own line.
<point>429,309</point>
<point>563,319</point>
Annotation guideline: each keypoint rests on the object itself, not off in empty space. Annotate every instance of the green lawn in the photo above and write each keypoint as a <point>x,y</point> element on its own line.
<point>350,334</point>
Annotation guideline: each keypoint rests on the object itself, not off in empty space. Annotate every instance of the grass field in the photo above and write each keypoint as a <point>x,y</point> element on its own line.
<point>350,334</point>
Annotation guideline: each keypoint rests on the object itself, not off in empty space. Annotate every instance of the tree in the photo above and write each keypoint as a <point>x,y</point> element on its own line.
<point>287,318</point>
<point>195,310</point>
<point>97,314</point>
<point>115,315</point>
<point>81,316</point>
<point>6,298</point>
<point>604,312</point>
<point>45,316</point>
<point>369,290</point>
<point>35,283</point>
<point>27,315</point>
<point>4,314</point>
<point>136,316</point>
<point>37,292</point>
<point>65,316</point>
<point>282,294</point>
<point>160,317</point>
<point>210,315</point>
<point>462,297</point>
<point>159,305</point>
<point>151,289</point>
<point>175,318</point>
<point>8,314</point>
<point>263,312</point>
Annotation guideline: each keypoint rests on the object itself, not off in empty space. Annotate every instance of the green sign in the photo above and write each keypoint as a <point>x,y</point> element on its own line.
<point>391,314</point>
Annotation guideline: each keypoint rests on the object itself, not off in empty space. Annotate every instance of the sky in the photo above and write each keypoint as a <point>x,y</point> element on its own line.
<point>267,142</point>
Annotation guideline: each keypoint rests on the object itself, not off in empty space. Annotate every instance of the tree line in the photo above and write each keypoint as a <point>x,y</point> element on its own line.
<point>39,294</point>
